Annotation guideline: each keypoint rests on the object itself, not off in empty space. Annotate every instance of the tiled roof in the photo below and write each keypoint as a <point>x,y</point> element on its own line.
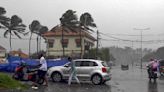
<point>23,55</point>
<point>2,48</point>
<point>57,31</point>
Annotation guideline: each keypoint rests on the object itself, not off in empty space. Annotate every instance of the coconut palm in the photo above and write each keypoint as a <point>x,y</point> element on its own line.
<point>68,20</point>
<point>42,30</point>
<point>3,18</point>
<point>13,27</point>
<point>86,21</point>
<point>34,28</point>
<point>38,29</point>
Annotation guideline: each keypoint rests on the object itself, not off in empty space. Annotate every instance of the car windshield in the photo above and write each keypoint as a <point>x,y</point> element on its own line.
<point>162,63</point>
<point>104,64</point>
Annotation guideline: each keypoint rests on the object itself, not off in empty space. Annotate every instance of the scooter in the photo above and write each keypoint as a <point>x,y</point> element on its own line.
<point>19,72</point>
<point>32,75</point>
<point>152,74</point>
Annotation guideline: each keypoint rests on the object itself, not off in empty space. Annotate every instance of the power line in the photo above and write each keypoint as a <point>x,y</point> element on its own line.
<point>19,38</point>
<point>136,35</point>
<point>120,39</point>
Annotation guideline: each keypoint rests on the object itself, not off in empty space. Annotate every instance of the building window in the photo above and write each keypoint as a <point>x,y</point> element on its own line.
<point>78,42</point>
<point>64,43</point>
<point>51,43</point>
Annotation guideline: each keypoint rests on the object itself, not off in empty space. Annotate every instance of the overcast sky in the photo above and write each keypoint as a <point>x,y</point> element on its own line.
<point>116,18</point>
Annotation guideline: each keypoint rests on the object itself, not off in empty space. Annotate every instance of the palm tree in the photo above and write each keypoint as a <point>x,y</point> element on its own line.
<point>68,20</point>
<point>86,21</point>
<point>42,30</point>
<point>34,27</point>
<point>13,27</point>
<point>3,18</point>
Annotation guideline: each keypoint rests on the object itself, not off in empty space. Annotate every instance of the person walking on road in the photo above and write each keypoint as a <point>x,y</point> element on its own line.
<point>72,72</point>
<point>43,69</point>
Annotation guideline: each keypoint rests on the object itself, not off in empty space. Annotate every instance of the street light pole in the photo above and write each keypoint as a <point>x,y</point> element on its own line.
<point>141,42</point>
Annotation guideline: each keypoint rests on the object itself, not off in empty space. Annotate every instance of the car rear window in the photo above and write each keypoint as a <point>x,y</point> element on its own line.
<point>104,64</point>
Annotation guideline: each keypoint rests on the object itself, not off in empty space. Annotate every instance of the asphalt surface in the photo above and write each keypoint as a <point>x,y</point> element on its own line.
<point>132,80</point>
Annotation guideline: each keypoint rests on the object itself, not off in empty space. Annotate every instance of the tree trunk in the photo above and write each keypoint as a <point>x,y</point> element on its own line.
<point>30,45</point>
<point>37,44</point>
<point>10,40</point>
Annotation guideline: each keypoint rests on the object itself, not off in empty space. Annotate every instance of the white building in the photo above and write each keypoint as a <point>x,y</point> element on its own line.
<point>2,52</point>
<point>74,41</point>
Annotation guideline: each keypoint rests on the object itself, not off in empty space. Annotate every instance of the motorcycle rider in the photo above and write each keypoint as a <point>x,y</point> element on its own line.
<point>42,71</point>
<point>152,66</point>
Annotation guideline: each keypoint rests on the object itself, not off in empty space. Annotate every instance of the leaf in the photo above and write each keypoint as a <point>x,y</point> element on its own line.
<point>35,25</point>
<point>2,11</point>
<point>15,20</point>
<point>26,33</point>
<point>6,33</point>
<point>17,34</point>
<point>6,24</point>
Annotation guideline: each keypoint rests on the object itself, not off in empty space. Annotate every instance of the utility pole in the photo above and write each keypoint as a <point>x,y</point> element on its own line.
<point>81,47</point>
<point>63,41</point>
<point>132,55</point>
<point>37,44</point>
<point>141,41</point>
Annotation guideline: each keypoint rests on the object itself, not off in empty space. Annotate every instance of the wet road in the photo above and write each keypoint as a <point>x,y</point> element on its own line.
<point>133,80</point>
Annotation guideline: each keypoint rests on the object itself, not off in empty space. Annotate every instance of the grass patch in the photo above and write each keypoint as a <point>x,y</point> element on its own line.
<point>6,82</point>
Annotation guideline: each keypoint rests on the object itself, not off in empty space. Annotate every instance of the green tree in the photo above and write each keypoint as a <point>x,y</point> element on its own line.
<point>13,27</point>
<point>3,18</point>
<point>34,27</point>
<point>86,21</point>
<point>42,30</point>
<point>68,21</point>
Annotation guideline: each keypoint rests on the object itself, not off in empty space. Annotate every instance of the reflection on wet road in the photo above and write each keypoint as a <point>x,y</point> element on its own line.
<point>152,86</point>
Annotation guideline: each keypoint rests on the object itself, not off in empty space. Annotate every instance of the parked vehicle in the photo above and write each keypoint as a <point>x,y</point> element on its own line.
<point>19,72</point>
<point>125,67</point>
<point>32,74</point>
<point>161,67</point>
<point>95,71</point>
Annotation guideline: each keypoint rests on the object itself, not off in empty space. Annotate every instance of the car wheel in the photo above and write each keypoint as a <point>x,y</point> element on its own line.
<point>96,79</point>
<point>103,82</point>
<point>56,77</point>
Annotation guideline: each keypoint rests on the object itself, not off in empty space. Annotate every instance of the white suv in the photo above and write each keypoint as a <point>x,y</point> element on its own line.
<point>96,71</point>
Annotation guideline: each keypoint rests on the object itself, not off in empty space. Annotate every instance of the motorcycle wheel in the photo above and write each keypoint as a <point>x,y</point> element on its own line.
<point>40,81</point>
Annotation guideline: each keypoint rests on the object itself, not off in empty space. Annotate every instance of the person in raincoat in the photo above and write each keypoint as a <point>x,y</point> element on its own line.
<point>72,72</point>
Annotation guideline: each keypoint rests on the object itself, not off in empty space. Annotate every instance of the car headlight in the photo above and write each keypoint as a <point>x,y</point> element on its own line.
<point>49,71</point>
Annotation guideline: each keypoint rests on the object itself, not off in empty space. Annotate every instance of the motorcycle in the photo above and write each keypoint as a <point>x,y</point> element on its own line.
<point>19,72</point>
<point>32,74</point>
<point>152,73</point>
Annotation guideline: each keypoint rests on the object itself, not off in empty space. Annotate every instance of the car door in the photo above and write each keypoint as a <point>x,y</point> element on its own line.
<point>78,68</point>
<point>86,68</point>
<point>66,70</point>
